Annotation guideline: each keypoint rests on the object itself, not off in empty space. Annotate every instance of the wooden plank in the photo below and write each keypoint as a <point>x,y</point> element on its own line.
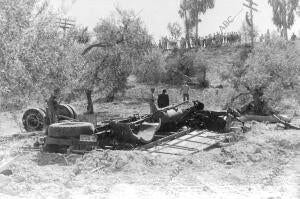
<point>192,141</point>
<point>168,138</point>
<point>183,148</point>
<point>201,147</point>
<point>178,154</point>
<point>286,124</point>
<point>168,145</point>
<point>197,142</point>
<point>208,137</point>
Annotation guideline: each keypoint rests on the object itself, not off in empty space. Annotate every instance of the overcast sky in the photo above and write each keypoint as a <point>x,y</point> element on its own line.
<point>156,14</point>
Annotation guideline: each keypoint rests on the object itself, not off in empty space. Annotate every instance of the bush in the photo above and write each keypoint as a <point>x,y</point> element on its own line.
<point>173,76</point>
<point>202,83</point>
<point>179,67</point>
<point>202,67</point>
<point>268,74</point>
<point>186,63</point>
<point>152,68</point>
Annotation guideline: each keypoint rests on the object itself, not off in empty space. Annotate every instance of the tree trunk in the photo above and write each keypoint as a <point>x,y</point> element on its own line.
<point>285,22</point>
<point>197,25</point>
<point>204,75</point>
<point>285,34</point>
<point>90,106</point>
<point>187,31</point>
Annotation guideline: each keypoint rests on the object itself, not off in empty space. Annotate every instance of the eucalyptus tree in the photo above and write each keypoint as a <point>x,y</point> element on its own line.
<point>175,31</point>
<point>184,9</point>
<point>190,11</point>
<point>197,8</point>
<point>284,14</point>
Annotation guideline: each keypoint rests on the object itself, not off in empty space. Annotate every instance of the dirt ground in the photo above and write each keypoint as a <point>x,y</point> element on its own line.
<point>264,163</point>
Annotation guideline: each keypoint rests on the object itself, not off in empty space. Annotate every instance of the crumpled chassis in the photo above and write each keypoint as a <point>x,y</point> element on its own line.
<point>139,130</point>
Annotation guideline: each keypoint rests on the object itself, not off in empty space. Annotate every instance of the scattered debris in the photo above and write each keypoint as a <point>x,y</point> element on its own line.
<point>133,132</point>
<point>6,172</point>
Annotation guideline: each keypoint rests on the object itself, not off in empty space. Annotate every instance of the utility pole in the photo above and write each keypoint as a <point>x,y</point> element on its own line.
<point>65,23</point>
<point>250,6</point>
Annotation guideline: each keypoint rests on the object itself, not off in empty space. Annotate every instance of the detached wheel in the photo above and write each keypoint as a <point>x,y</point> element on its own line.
<point>34,120</point>
<point>75,115</point>
<point>64,110</point>
<point>70,129</point>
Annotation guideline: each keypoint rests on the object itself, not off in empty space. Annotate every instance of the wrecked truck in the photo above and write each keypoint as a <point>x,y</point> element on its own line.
<point>134,131</point>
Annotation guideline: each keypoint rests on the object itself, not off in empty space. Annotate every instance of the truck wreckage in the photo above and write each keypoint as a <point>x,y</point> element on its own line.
<point>135,132</point>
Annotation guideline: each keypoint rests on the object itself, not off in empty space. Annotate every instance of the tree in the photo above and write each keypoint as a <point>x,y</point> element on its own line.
<point>184,13</point>
<point>246,32</point>
<point>190,11</point>
<point>283,14</point>
<point>175,31</point>
<point>199,7</point>
<point>34,56</point>
<point>266,73</point>
<point>122,41</point>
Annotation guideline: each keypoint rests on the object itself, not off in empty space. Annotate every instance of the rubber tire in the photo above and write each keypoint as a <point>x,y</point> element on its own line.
<point>38,113</point>
<point>70,129</point>
<point>64,110</point>
<point>73,110</point>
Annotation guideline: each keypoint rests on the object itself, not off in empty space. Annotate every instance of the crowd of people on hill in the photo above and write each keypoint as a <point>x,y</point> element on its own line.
<point>217,39</point>
<point>211,40</point>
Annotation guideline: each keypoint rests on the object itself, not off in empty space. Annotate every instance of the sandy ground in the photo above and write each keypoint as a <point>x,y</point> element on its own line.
<point>264,163</point>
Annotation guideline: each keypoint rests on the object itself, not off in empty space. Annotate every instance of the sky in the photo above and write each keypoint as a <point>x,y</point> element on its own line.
<point>156,14</point>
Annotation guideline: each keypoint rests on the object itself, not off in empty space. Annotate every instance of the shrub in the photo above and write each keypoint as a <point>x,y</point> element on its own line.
<point>152,68</point>
<point>202,67</point>
<point>173,76</point>
<point>179,67</point>
<point>269,72</point>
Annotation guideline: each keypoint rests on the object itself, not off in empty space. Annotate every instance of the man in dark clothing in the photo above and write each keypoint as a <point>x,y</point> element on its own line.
<point>163,99</point>
<point>52,106</point>
<point>293,37</point>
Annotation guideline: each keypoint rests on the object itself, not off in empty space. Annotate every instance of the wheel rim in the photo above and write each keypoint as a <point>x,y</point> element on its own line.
<point>64,110</point>
<point>33,121</point>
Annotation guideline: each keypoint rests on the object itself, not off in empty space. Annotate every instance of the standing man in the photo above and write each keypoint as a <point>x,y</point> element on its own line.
<point>185,92</point>
<point>52,106</point>
<point>163,99</point>
<point>293,37</point>
<point>153,107</point>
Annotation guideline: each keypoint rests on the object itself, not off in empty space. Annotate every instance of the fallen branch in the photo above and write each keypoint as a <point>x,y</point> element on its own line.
<point>286,124</point>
